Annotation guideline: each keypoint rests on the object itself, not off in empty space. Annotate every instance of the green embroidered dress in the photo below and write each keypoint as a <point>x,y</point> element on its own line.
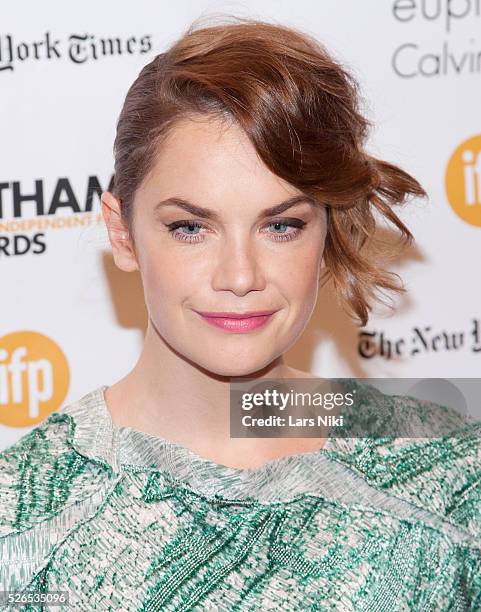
<point>121,520</point>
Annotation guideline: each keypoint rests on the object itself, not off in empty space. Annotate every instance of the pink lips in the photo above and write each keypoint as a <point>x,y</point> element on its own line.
<point>237,322</point>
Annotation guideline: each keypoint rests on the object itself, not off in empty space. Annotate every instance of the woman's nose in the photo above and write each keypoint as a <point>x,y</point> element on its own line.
<point>238,268</point>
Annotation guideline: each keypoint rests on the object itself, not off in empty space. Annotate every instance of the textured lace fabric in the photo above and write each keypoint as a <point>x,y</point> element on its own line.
<point>122,520</point>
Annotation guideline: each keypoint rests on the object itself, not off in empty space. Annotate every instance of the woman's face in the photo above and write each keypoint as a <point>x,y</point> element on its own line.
<point>236,260</point>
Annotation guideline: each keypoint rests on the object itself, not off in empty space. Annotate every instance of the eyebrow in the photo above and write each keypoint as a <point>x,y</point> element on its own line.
<point>207,213</point>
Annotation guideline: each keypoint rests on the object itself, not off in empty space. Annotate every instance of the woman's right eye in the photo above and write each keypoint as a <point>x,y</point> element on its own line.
<point>185,236</point>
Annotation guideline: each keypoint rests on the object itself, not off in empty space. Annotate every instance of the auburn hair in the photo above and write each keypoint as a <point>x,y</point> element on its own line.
<point>300,108</point>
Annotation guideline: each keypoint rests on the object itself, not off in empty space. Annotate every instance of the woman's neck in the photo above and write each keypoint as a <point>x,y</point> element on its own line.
<point>169,397</point>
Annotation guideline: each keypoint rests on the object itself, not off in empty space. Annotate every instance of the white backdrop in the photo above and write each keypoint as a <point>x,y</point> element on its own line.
<point>70,321</point>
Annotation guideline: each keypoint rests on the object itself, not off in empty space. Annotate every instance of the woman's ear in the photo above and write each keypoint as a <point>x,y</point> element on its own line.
<point>120,239</point>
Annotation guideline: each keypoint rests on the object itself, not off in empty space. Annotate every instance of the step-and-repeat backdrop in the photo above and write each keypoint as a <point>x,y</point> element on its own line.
<point>71,321</point>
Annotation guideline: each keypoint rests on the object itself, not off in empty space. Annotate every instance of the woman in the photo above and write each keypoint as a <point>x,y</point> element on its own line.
<point>240,175</point>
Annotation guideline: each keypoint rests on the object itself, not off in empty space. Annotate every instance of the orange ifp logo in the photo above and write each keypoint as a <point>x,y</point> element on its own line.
<point>463,181</point>
<point>34,378</point>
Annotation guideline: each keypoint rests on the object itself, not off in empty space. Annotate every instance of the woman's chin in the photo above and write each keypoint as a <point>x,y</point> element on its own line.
<point>235,368</point>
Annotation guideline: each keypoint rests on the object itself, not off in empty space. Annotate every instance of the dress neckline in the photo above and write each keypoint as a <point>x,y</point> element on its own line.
<point>346,470</point>
<point>124,448</point>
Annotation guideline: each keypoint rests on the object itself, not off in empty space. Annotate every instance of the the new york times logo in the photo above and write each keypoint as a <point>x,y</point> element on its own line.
<point>78,48</point>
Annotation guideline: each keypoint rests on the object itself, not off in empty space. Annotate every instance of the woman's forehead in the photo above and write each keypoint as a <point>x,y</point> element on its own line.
<point>207,162</point>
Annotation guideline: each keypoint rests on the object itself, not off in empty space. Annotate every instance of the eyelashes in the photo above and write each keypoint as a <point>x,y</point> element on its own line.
<point>297,225</point>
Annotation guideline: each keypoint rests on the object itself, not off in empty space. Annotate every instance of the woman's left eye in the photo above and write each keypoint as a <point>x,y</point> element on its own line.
<point>297,226</point>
